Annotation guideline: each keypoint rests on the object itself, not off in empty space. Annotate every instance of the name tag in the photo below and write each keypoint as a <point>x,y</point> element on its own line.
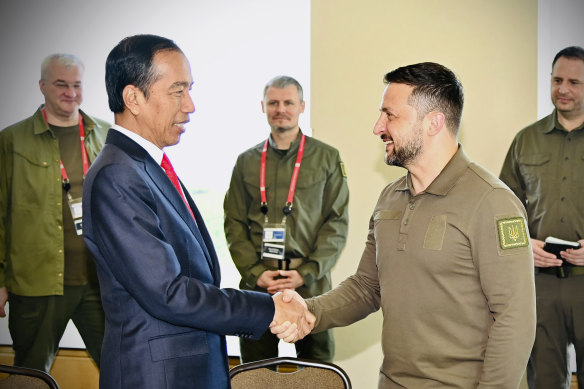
<point>76,207</point>
<point>273,241</point>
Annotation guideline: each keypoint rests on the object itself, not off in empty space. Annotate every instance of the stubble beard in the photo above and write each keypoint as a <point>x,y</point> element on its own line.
<point>406,155</point>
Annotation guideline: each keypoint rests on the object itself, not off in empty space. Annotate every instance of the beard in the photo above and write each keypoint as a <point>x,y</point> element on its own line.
<point>282,129</point>
<point>407,154</point>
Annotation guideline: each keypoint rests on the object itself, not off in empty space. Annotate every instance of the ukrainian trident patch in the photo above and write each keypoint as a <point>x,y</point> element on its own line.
<point>512,233</point>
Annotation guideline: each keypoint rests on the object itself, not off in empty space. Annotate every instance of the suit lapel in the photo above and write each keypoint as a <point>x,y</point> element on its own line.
<point>167,188</point>
<point>161,180</point>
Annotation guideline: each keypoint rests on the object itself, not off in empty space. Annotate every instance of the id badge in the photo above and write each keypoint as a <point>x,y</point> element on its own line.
<point>273,241</point>
<point>76,208</point>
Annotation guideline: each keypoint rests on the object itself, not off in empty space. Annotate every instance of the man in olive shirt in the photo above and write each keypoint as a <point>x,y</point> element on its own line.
<point>46,272</point>
<point>545,169</point>
<point>315,229</point>
<point>447,257</point>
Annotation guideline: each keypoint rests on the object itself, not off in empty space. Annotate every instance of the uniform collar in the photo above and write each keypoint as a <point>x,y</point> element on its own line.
<point>447,178</point>
<point>293,145</point>
<point>554,124</point>
<point>41,126</point>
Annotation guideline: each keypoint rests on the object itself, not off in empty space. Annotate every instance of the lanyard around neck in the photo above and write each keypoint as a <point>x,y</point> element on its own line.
<point>85,159</point>
<point>264,203</point>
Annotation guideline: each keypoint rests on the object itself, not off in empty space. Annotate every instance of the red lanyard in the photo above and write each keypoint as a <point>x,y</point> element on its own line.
<point>84,157</point>
<point>264,203</point>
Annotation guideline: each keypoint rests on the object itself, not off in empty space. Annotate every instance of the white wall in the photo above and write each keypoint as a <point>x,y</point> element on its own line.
<point>234,48</point>
<point>559,25</point>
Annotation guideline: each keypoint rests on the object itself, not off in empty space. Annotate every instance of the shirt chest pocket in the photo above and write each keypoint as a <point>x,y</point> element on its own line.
<point>534,167</point>
<point>386,221</point>
<point>36,173</point>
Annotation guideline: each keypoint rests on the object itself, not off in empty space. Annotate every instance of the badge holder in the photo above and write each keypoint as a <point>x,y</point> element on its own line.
<point>274,244</point>
<point>76,208</point>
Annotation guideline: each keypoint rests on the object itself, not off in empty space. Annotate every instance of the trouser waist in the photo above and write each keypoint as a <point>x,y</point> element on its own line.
<point>563,271</point>
<point>283,264</point>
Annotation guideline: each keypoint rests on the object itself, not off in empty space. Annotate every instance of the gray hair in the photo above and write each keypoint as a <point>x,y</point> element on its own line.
<point>282,82</point>
<point>65,60</point>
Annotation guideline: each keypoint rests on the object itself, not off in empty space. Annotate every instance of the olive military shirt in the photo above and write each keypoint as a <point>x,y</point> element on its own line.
<point>316,230</point>
<point>452,269</point>
<point>32,251</point>
<point>545,169</point>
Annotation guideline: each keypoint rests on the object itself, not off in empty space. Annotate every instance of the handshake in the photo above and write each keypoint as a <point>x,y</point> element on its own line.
<point>292,319</point>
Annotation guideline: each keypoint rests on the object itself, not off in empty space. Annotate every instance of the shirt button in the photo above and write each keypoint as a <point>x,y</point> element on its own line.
<point>60,227</point>
<point>412,206</point>
<point>564,178</point>
<point>562,220</point>
<point>60,251</point>
<point>562,199</point>
<point>59,274</point>
<point>406,222</point>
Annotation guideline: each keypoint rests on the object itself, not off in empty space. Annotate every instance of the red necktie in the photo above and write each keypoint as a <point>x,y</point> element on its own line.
<point>167,166</point>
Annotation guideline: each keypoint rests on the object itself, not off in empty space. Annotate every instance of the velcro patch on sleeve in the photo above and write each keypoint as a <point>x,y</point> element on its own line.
<point>343,171</point>
<point>512,233</point>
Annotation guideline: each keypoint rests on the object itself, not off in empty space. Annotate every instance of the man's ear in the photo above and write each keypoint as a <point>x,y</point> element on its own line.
<point>435,121</point>
<point>131,96</point>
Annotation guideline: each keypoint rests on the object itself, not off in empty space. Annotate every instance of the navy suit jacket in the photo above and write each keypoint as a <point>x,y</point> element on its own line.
<point>166,317</point>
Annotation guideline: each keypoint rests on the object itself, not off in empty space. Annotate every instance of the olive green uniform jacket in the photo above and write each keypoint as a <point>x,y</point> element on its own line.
<point>316,229</point>
<point>545,169</point>
<point>31,212</point>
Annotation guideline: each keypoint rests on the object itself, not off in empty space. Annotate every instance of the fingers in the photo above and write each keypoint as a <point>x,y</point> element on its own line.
<point>292,320</point>
<point>541,257</point>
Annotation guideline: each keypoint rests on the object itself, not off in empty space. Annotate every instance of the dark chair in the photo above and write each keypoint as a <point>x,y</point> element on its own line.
<point>25,378</point>
<point>309,374</point>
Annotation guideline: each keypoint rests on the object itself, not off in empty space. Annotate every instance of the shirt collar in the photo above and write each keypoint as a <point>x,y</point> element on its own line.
<point>42,126</point>
<point>294,144</point>
<point>447,177</point>
<point>554,124</point>
<point>150,148</point>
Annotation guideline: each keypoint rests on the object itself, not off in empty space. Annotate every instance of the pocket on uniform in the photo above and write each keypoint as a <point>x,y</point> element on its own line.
<point>434,237</point>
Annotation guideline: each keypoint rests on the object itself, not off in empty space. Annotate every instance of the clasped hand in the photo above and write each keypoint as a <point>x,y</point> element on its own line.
<point>292,319</point>
<point>542,258</point>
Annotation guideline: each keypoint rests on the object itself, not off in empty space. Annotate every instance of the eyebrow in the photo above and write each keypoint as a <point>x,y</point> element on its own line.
<point>569,79</point>
<point>181,84</point>
<point>59,80</point>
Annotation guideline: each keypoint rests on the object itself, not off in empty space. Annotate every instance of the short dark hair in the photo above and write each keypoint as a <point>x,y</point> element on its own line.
<point>282,82</point>
<point>130,63</point>
<point>435,87</point>
<point>574,52</point>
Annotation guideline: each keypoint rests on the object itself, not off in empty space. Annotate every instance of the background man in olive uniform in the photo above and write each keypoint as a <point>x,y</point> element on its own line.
<point>545,169</point>
<point>46,272</point>
<point>316,229</point>
<point>447,257</point>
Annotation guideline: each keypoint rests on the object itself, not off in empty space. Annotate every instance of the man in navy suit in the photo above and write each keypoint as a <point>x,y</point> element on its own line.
<point>166,317</point>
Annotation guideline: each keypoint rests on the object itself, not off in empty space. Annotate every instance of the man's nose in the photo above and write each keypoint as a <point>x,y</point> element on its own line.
<point>188,104</point>
<point>71,90</point>
<point>380,125</point>
<point>563,88</point>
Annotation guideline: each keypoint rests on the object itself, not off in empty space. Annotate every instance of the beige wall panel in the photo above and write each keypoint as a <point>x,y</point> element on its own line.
<point>490,45</point>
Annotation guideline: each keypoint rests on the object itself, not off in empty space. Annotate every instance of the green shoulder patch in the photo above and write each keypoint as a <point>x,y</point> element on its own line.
<point>512,233</point>
<point>343,169</point>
